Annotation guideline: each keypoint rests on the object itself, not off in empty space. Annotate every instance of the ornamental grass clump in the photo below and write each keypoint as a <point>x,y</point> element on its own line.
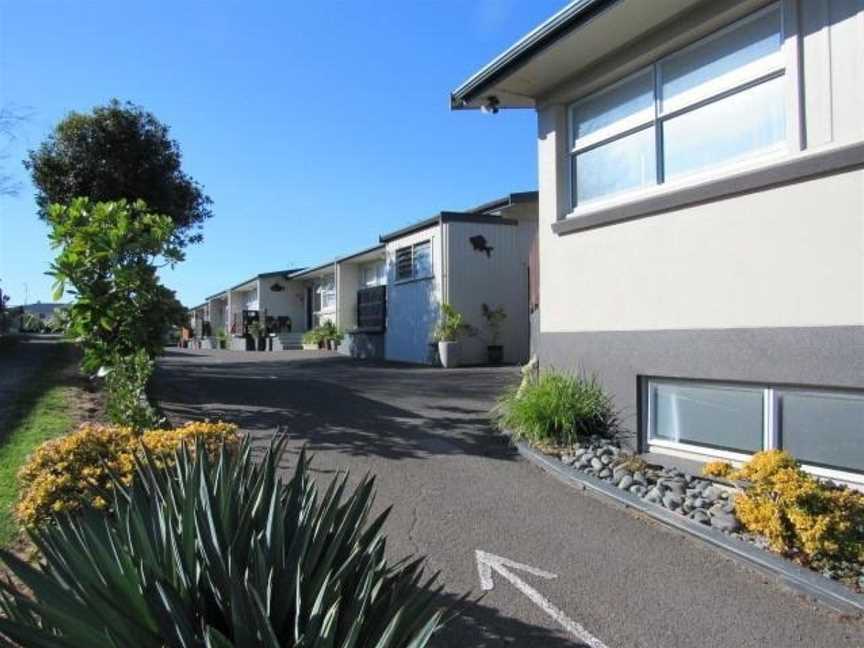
<point>557,409</point>
<point>219,553</point>
<point>800,516</point>
<point>79,471</point>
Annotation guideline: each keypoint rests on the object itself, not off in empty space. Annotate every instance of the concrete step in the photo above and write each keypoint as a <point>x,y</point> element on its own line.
<point>288,342</point>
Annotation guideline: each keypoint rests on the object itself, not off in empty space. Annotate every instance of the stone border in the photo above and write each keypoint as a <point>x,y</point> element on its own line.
<point>832,594</point>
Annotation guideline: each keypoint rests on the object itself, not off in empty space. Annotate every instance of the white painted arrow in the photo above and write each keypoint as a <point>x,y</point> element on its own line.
<point>487,563</point>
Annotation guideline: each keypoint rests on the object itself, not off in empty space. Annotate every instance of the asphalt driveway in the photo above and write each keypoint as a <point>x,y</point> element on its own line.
<point>457,488</point>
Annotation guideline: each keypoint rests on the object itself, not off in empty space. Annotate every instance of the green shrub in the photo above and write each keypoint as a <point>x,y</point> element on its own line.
<point>216,554</point>
<point>126,390</point>
<point>557,409</point>
<point>323,334</point>
<point>312,336</point>
<point>451,326</point>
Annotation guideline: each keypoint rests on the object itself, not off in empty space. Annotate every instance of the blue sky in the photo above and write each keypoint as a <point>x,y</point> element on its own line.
<point>314,126</point>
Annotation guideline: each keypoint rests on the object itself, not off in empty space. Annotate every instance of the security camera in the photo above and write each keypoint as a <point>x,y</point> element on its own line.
<point>490,106</point>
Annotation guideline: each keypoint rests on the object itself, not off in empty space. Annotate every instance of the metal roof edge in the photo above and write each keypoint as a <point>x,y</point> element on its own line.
<point>525,48</point>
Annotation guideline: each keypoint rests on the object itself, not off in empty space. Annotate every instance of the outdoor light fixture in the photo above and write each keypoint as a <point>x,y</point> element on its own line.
<point>490,106</point>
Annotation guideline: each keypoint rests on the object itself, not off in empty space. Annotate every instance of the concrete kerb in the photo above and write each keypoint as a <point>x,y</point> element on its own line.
<point>830,593</point>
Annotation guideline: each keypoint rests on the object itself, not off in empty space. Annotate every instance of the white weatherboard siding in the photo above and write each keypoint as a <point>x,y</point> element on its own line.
<point>412,306</point>
<point>499,279</point>
<point>787,256</point>
<point>347,283</point>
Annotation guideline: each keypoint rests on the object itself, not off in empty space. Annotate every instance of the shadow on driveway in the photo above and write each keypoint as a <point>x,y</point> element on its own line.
<point>330,402</point>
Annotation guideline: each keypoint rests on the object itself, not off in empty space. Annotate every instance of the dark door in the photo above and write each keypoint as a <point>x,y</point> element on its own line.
<point>309,309</point>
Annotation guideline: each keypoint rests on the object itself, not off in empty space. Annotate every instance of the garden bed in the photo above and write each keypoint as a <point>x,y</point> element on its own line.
<point>700,499</point>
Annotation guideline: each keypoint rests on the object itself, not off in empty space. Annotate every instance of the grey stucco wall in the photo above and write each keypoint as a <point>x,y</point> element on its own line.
<point>831,356</point>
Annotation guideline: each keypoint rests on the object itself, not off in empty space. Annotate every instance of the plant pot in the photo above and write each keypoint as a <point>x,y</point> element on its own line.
<point>250,342</point>
<point>262,343</point>
<point>449,354</point>
<point>495,353</point>
<point>331,345</point>
<point>222,344</point>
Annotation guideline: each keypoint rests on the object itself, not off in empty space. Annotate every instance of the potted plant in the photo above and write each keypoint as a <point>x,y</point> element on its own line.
<point>451,327</point>
<point>311,340</point>
<point>223,338</point>
<point>257,330</point>
<point>494,321</point>
<point>331,336</point>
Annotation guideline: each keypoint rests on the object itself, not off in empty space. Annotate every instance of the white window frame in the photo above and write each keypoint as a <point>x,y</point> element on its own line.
<point>413,249</point>
<point>326,289</point>
<point>784,64</point>
<point>770,422</point>
<point>380,274</point>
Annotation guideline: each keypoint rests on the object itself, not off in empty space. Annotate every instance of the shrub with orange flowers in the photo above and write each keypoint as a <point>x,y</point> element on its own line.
<point>77,471</point>
<point>799,515</point>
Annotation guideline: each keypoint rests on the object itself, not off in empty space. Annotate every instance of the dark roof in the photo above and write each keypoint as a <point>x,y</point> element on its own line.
<point>263,275</point>
<point>569,18</point>
<point>478,214</point>
<point>306,271</point>
<point>337,260</point>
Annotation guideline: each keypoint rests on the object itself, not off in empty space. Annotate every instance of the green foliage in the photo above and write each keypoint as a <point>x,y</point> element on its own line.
<point>116,152</point>
<point>558,409</point>
<point>327,332</point>
<point>58,321</point>
<point>312,336</point>
<point>257,329</point>
<point>126,386</point>
<point>451,326</point>
<point>217,554</point>
<point>31,324</point>
<point>42,411</point>
<point>107,255</point>
<point>494,321</point>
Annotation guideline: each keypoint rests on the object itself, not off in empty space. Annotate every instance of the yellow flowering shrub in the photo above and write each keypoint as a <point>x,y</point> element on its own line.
<point>717,469</point>
<point>796,513</point>
<point>75,471</point>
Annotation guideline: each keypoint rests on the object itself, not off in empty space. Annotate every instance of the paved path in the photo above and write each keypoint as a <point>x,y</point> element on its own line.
<point>457,488</point>
<point>19,363</point>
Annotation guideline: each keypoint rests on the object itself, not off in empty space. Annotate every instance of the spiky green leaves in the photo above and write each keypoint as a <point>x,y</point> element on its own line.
<point>222,553</point>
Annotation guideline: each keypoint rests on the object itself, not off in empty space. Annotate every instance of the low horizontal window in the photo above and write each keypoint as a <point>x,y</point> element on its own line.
<point>819,427</point>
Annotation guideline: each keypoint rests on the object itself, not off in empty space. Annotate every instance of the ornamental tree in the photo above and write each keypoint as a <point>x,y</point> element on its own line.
<point>108,260</point>
<point>118,151</point>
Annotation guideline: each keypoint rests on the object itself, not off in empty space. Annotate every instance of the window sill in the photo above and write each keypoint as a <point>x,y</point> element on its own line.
<point>402,282</point>
<point>788,170</point>
<point>704,454</point>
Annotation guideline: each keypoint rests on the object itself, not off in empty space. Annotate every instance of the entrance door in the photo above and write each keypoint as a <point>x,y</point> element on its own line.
<point>309,295</point>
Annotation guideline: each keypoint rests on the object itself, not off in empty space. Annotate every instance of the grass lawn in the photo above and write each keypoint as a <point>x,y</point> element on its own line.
<point>43,411</point>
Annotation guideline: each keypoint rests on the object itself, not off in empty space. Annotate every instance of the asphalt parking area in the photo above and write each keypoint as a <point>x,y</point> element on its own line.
<point>457,489</point>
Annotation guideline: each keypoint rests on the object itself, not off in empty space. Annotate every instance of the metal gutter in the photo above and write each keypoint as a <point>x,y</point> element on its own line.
<point>264,275</point>
<point>507,201</point>
<point>474,214</point>
<point>563,22</point>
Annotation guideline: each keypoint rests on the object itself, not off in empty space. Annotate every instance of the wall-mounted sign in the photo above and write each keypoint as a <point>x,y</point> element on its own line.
<point>478,242</point>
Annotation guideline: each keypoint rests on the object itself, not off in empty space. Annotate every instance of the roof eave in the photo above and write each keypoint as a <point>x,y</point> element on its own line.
<point>546,34</point>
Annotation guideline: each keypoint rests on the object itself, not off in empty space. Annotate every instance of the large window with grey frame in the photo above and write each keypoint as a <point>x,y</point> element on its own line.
<point>717,102</point>
<point>819,427</point>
